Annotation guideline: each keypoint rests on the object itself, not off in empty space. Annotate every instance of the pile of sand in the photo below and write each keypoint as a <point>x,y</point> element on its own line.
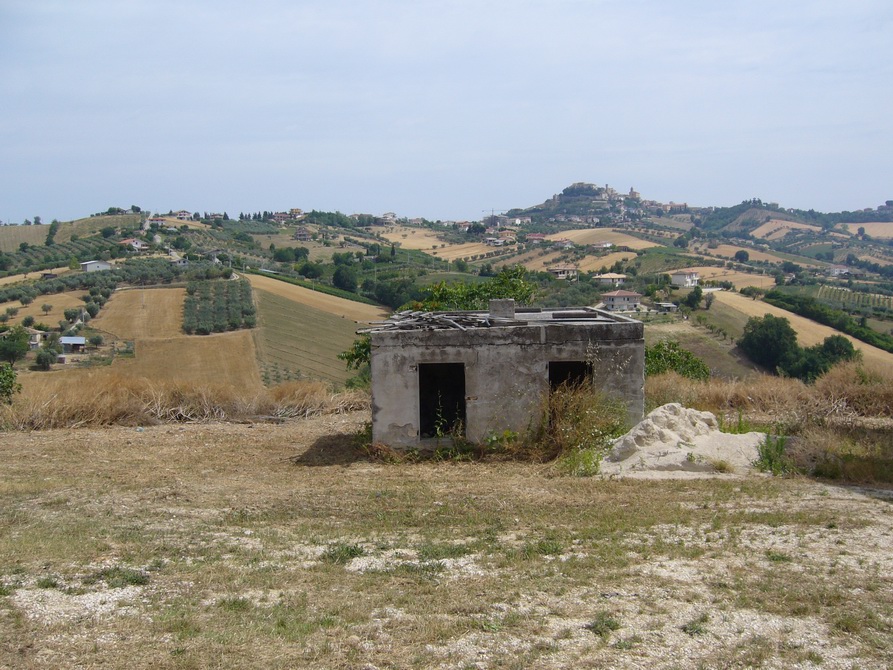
<point>675,441</point>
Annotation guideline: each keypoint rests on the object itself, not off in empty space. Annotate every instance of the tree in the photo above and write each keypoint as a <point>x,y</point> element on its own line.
<point>14,345</point>
<point>345,278</point>
<point>768,340</point>
<point>742,256</point>
<point>708,300</point>
<point>311,270</point>
<point>71,314</point>
<point>9,385</point>
<point>45,359</point>
<point>46,307</point>
<point>693,299</point>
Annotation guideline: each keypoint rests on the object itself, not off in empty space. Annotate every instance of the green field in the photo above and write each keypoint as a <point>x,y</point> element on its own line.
<point>296,341</point>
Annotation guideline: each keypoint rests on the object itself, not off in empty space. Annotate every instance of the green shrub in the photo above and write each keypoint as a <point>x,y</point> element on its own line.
<point>772,457</point>
<point>667,355</point>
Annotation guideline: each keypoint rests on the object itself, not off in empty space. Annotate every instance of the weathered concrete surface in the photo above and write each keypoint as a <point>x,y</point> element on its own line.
<point>506,369</point>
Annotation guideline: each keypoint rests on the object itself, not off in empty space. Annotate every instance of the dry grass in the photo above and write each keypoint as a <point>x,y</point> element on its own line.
<point>121,399</point>
<point>847,391</point>
<point>224,546</point>
<point>841,426</point>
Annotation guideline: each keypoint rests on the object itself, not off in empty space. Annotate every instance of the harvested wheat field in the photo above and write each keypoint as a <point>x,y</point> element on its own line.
<point>595,263</point>
<point>808,332</point>
<point>356,311</point>
<point>222,358</point>
<point>778,228</point>
<point>278,546</point>
<point>143,313</point>
<point>537,261</point>
<point>729,251</point>
<point>422,239</point>
<point>585,236</point>
<point>467,250</point>
<point>881,229</point>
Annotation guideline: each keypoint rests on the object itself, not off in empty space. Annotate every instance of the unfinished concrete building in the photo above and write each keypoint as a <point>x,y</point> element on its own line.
<point>485,372</point>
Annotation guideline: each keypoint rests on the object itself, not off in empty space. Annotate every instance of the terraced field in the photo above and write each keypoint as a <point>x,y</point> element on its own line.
<point>778,228</point>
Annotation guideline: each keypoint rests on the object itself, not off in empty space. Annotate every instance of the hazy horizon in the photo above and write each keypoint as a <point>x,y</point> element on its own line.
<point>443,110</point>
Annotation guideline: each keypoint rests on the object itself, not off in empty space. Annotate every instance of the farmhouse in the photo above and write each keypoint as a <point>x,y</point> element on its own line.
<point>611,279</point>
<point>72,345</point>
<point>95,266</point>
<point>685,278</point>
<point>474,374</point>
<point>622,300</point>
<point>568,272</point>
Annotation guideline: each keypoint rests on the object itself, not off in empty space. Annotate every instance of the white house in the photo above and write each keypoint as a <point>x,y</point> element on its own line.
<point>622,300</point>
<point>685,278</point>
<point>568,272</point>
<point>135,244</point>
<point>95,266</point>
<point>611,279</point>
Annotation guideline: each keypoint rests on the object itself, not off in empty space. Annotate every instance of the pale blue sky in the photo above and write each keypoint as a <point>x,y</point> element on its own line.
<point>440,109</point>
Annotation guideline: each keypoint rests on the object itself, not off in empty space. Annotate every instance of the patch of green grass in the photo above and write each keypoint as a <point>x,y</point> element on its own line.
<point>544,547</point>
<point>47,582</point>
<point>235,604</point>
<point>778,557</point>
<point>437,551</point>
<point>627,643</point>
<point>696,626</point>
<point>117,577</point>
<point>341,553</point>
<point>603,624</point>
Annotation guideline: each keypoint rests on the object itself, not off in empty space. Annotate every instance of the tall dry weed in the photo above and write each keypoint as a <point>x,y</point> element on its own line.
<point>104,399</point>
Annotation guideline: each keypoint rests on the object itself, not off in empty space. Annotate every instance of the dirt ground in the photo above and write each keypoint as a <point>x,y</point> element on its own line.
<point>281,546</point>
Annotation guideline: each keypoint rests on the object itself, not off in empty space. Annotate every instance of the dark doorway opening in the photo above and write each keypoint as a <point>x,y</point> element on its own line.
<point>441,399</point>
<point>569,373</point>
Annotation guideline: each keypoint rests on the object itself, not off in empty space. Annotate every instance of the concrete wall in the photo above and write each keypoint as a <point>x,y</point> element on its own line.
<point>506,372</point>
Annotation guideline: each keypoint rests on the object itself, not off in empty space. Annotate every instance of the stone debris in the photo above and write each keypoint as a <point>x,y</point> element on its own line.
<point>677,441</point>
